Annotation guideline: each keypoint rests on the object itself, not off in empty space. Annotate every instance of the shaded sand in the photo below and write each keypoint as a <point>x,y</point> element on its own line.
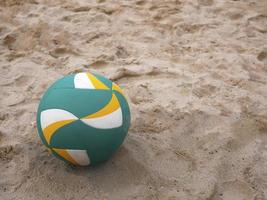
<point>195,74</point>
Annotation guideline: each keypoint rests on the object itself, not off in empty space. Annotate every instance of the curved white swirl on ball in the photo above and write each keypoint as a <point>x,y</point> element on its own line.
<point>74,156</point>
<point>53,119</point>
<point>112,120</point>
<point>82,81</point>
<point>88,81</point>
<point>108,117</point>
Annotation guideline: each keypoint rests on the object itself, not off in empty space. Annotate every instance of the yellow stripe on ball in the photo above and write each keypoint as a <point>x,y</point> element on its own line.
<point>109,108</point>
<point>51,129</point>
<point>97,83</point>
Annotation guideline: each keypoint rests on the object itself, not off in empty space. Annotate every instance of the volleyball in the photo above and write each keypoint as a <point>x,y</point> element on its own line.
<point>83,118</point>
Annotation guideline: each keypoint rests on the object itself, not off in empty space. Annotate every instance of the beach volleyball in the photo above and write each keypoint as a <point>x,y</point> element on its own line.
<point>83,118</point>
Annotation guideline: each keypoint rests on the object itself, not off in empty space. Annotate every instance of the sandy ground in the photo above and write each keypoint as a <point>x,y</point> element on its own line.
<point>195,74</point>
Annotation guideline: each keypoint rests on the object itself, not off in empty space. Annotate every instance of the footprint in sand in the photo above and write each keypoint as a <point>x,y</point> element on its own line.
<point>62,51</point>
<point>82,9</point>
<point>140,2</point>
<point>259,23</point>
<point>262,56</point>
<point>6,153</point>
<point>98,64</point>
<point>185,28</point>
<point>121,52</point>
<point>9,41</point>
<point>3,117</point>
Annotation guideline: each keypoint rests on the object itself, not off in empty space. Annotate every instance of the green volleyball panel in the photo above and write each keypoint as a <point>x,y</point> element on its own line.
<point>80,102</point>
<point>99,143</point>
<point>125,110</point>
<point>65,82</point>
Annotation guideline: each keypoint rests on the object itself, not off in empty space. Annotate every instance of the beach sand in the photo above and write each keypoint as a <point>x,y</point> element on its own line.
<point>194,72</point>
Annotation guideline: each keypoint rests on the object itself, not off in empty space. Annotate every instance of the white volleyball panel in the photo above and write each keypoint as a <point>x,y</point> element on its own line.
<point>80,156</point>
<point>82,81</point>
<point>51,116</point>
<point>112,120</point>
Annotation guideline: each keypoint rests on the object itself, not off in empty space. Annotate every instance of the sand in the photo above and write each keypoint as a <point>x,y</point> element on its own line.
<point>194,72</point>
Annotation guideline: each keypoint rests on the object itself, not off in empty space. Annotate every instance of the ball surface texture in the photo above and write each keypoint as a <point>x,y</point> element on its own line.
<point>83,118</point>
